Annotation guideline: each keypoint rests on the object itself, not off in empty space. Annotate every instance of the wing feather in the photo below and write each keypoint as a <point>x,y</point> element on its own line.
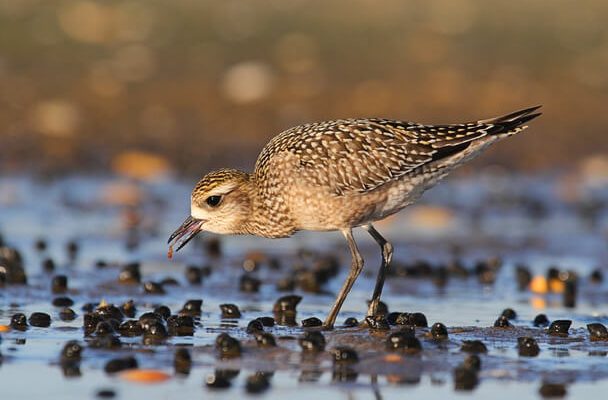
<point>358,155</point>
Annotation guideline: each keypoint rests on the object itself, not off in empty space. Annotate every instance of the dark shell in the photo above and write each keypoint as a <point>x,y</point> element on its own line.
<point>559,327</point>
<point>473,346</point>
<point>527,346</point>
<point>312,341</point>
<point>597,332</point>
<point>311,322</point>
<point>439,331</point>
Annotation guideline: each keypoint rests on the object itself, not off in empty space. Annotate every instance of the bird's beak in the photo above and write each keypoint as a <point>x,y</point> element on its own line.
<point>182,235</point>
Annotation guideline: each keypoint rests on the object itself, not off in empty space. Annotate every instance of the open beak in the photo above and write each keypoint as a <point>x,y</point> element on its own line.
<point>188,230</point>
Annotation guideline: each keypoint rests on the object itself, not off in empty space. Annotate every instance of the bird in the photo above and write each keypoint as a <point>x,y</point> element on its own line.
<point>337,176</point>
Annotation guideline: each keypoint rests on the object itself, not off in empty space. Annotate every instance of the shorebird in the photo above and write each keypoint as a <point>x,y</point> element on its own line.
<point>337,176</point>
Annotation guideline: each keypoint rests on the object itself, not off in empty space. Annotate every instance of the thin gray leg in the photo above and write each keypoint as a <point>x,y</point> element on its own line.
<point>387,255</point>
<point>355,269</point>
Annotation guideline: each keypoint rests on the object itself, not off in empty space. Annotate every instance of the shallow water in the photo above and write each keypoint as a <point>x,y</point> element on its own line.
<point>537,221</point>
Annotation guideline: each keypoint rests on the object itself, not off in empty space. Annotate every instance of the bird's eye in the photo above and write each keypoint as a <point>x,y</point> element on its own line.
<point>213,201</point>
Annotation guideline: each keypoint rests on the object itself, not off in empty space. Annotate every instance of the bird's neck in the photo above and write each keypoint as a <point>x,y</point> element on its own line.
<point>269,214</point>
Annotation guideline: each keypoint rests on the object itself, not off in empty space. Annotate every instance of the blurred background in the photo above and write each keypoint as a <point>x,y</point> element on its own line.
<point>149,86</point>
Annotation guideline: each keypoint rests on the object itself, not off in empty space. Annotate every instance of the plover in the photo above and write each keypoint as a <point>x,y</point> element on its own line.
<point>337,176</point>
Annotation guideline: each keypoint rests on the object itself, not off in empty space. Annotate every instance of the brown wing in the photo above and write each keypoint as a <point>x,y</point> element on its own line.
<point>358,155</point>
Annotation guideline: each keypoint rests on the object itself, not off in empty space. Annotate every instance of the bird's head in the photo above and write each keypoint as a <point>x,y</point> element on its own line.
<point>220,203</point>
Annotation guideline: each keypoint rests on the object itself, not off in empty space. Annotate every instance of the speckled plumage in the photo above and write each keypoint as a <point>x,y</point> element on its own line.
<point>341,174</point>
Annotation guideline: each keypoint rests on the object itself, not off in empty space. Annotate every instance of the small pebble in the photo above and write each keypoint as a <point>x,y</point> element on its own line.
<point>265,339</point>
<point>597,332</point>
<point>257,383</point>
<point>523,277</point>
<point>409,330</point>
<point>559,327</point>
<point>40,319</point>
<point>169,282</point>
<point>552,390</point>
<point>377,323</point>
<point>227,346</point>
<point>287,284</point>
<point>473,346</point>
<point>63,302</point>
<point>19,322</point>
<point>403,341</point>
<point>252,262</point>
<point>105,394</point>
<point>418,319</point>
<point>541,320</point>
<point>596,276</point>
<point>104,328</point>
<point>149,318</point>
<point>12,269</point>
<point>391,318</point>
<point>312,341</point>
<point>255,326</point>
<point>570,291</point>
<point>266,321</point>
<point>308,281</point>
<point>67,314</point>
<point>192,307</point>
<point>130,328</point>
<point>502,322</point>
<point>59,284</point>
<point>180,325</point>
<point>163,311</point>
<point>527,346</point>
<point>194,275</point>
<point>109,311</point>
<point>249,284</point>
<point>153,288</point>
<point>402,319</point>
<point>155,332</point>
<point>217,381</point>
<point>286,318</point>
<point>439,331</point>
<point>509,313</point>
<point>40,245</point>
<point>90,321</point>
<point>230,311</point>
<point>286,303</point>
<point>182,361</point>
<point>128,309</point>
<point>48,265</point>
<point>213,246</point>
<point>311,322</point>
<point>351,322</point>
<point>130,274</point>
<point>120,364</point>
<point>72,250</point>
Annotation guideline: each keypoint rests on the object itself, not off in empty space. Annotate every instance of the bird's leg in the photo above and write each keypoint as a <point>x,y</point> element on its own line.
<point>387,255</point>
<point>355,269</point>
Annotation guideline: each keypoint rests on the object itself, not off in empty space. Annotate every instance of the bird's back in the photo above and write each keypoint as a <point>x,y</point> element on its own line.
<point>359,155</point>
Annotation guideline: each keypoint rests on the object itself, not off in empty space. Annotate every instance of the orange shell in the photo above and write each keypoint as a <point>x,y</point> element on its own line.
<point>539,284</point>
<point>392,358</point>
<point>145,375</point>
